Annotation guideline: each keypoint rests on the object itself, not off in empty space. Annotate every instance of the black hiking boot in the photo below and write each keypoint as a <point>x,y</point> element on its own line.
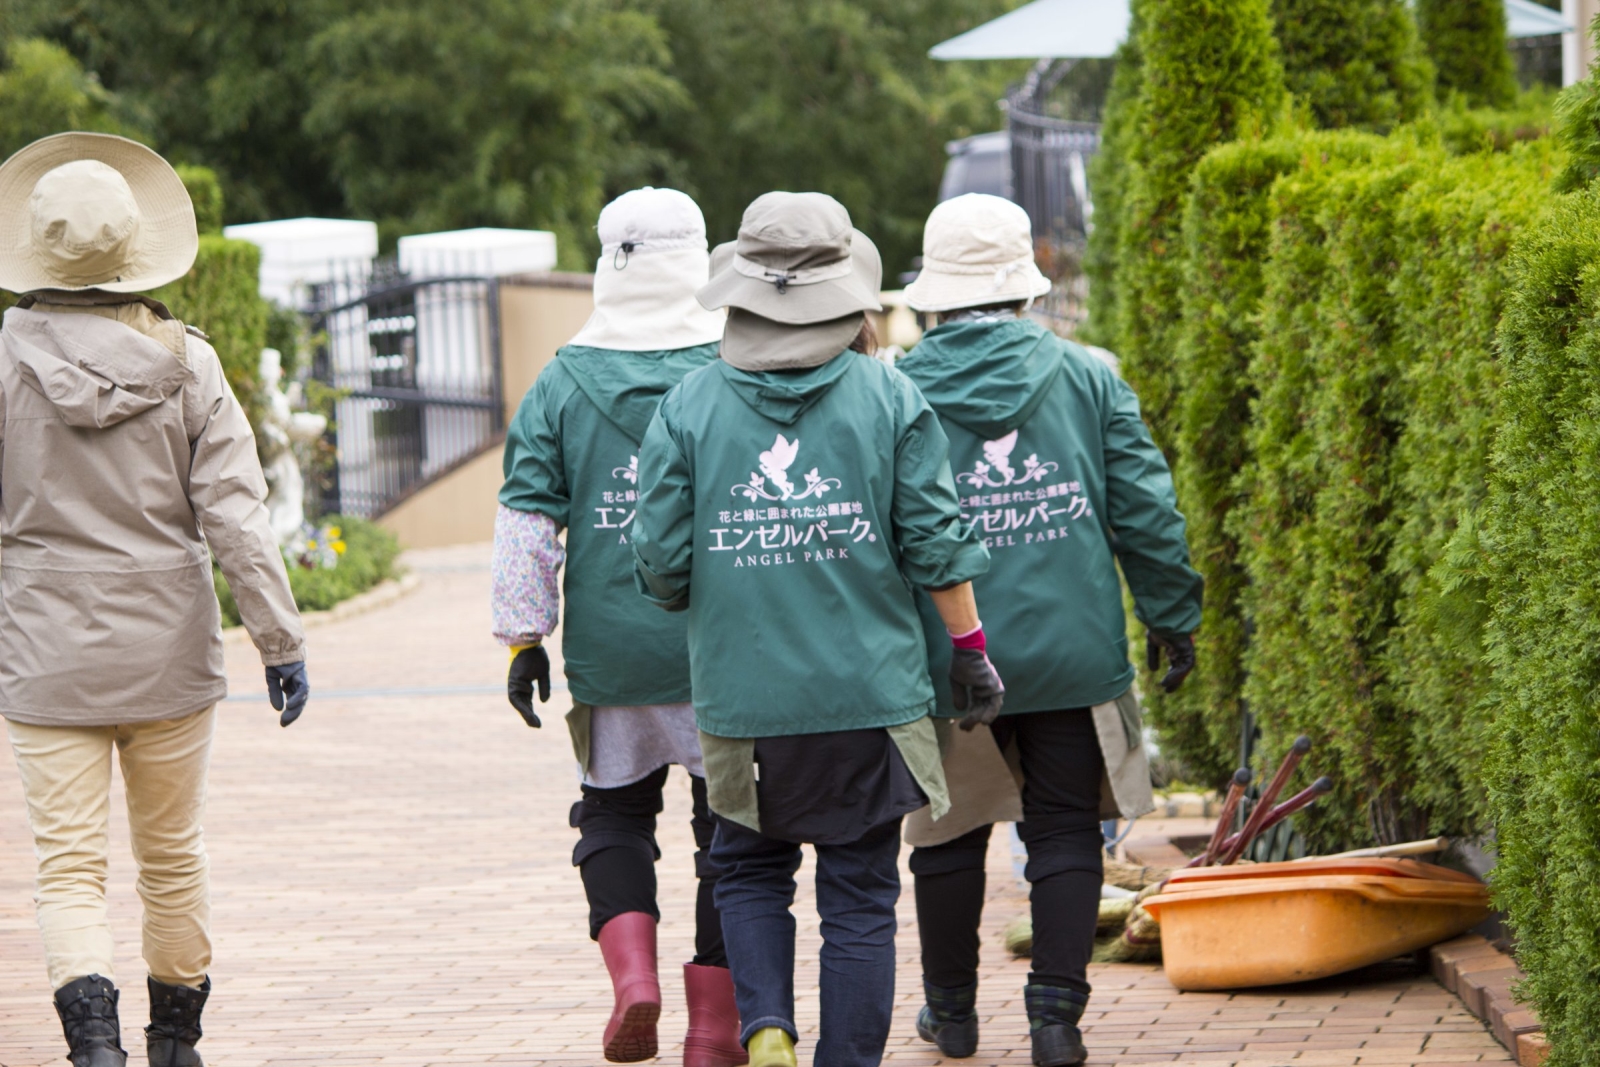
<point>950,1020</point>
<point>1053,1015</point>
<point>88,1011</point>
<point>175,1024</point>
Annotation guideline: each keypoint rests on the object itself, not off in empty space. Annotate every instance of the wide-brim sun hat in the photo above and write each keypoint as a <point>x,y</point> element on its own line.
<point>653,258</point>
<point>977,250</point>
<point>93,211</point>
<point>797,261</point>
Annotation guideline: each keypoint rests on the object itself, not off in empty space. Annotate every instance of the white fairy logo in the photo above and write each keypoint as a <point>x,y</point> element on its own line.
<point>630,472</point>
<point>775,463</point>
<point>995,469</point>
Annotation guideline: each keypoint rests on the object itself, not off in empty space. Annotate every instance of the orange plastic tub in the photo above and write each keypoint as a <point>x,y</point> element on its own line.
<point>1234,933</point>
<point>1382,868</point>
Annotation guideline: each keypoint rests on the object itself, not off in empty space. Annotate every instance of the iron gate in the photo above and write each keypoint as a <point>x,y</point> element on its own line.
<point>1049,172</point>
<point>416,366</point>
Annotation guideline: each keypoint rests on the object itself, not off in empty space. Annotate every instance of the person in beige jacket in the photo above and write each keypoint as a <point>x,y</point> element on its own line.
<point>125,465</point>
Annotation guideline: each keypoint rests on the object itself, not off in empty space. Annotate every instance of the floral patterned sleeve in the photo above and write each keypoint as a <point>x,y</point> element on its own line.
<point>526,593</point>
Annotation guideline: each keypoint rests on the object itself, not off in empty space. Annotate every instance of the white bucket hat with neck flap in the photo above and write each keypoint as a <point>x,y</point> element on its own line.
<point>653,256</point>
<point>93,211</point>
<point>977,250</point>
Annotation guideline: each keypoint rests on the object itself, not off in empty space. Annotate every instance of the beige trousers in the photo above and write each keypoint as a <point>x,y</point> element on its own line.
<point>66,778</point>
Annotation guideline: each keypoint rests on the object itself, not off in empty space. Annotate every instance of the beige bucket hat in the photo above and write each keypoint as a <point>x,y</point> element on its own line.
<point>977,250</point>
<point>797,261</point>
<point>93,211</point>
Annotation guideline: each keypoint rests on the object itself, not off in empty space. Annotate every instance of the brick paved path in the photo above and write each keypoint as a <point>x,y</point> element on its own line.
<point>393,886</point>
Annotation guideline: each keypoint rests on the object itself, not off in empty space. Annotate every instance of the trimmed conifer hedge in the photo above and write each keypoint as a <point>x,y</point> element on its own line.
<point>1209,74</point>
<point>1108,174</point>
<point>1466,40</point>
<point>1354,62</point>
<point>1227,230</point>
<point>1540,540</point>
<point>1369,320</point>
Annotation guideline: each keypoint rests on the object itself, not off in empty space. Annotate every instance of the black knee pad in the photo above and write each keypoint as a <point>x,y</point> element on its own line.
<point>966,853</point>
<point>1062,841</point>
<point>624,817</point>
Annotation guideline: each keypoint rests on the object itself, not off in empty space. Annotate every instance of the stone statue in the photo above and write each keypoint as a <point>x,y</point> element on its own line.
<point>281,430</point>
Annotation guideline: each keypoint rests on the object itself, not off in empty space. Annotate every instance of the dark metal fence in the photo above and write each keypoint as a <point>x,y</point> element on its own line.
<point>416,366</point>
<point>1049,172</point>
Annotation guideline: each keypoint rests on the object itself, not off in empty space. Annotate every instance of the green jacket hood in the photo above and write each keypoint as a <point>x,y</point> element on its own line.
<point>627,387</point>
<point>783,396</point>
<point>988,377</point>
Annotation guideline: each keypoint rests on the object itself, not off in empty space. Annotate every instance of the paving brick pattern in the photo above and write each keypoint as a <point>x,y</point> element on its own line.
<point>392,886</point>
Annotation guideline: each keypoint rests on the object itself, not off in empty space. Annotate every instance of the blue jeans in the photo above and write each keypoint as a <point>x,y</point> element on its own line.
<point>858,885</point>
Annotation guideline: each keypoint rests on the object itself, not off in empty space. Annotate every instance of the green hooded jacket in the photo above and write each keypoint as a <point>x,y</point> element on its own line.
<point>793,513</point>
<point>1058,473</point>
<point>575,438</point>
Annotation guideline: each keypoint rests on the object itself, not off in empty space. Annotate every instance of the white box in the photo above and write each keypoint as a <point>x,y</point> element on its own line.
<point>298,253</point>
<point>482,252</point>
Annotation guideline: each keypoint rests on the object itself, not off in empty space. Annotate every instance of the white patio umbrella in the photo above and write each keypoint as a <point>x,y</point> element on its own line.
<point>1092,29</point>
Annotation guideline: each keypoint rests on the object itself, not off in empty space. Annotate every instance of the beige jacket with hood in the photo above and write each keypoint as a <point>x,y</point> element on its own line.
<point>125,463</point>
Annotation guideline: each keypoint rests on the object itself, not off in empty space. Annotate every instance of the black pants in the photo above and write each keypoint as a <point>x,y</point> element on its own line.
<point>617,852</point>
<point>1062,768</point>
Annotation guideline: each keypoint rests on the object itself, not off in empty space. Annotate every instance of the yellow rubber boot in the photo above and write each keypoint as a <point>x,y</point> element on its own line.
<point>771,1047</point>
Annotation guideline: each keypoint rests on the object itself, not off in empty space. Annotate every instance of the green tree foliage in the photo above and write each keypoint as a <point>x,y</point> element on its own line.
<point>437,114</point>
<point>838,97</point>
<point>1209,74</point>
<point>1354,62</point>
<point>427,114</point>
<point>43,90</point>
<point>221,83</point>
<point>1541,538</point>
<point>1466,40</point>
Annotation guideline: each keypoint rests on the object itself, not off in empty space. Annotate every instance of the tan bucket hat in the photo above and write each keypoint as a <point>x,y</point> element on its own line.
<point>797,261</point>
<point>93,211</point>
<point>977,250</point>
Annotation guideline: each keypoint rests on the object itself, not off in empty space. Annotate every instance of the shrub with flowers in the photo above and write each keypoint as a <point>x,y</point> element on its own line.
<point>316,547</point>
<point>330,562</point>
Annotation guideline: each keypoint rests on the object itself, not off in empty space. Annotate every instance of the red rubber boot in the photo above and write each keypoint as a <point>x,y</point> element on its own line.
<point>628,944</point>
<point>713,1038</point>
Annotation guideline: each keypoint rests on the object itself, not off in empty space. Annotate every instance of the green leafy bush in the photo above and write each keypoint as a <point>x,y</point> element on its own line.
<point>369,558</point>
<point>206,193</point>
<point>220,295</point>
<point>1541,538</point>
<point>1354,62</point>
<point>1210,74</point>
<point>1466,40</point>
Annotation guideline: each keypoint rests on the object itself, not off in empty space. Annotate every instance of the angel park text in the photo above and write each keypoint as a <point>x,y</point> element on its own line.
<point>776,559</point>
<point>1031,537</point>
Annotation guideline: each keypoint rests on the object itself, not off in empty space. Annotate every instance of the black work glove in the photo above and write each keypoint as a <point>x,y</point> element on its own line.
<point>530,665</point>
<point>974,683</point>
<point>1180,657</point>
<point>288,690</point>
